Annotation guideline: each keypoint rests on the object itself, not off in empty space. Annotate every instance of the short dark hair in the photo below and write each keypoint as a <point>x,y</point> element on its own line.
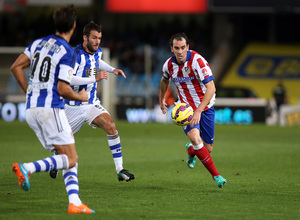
<point>92,26</point>
<point>64,18</point>
<point>178,36</point>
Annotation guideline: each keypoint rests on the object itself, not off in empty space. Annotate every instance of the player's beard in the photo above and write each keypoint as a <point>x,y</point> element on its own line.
<point>181,59</point>
<point>90,47</point>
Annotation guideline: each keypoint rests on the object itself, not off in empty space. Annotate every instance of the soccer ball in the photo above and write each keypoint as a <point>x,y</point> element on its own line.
<point>182,114</point>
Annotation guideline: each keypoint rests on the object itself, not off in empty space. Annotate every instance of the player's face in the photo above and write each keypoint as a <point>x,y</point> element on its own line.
<point>180,49</point>
<point>93,41</point>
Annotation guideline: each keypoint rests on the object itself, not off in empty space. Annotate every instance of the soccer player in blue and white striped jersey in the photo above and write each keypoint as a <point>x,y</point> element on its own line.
<point>89,69</point>
<point>52,62</point>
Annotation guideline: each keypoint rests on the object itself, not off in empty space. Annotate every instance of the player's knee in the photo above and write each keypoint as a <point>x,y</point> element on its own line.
<point>209,147</point>
<point>73,160</point>
<point>111,129</point>
<point>196,140</point>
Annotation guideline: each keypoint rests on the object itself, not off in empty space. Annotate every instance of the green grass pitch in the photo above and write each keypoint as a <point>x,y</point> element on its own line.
<point>260,163</point>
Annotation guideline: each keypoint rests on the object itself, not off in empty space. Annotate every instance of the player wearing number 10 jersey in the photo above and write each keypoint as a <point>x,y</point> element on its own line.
<point>52,61</point>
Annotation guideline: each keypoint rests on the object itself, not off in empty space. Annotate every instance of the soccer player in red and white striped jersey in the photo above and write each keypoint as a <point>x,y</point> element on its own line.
<point>193,78</point>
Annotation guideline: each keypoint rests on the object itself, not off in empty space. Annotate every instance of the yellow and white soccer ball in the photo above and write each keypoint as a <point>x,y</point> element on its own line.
<point>182,114</point>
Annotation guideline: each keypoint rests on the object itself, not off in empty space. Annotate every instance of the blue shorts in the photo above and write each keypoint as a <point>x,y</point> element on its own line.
<point>206,126</point>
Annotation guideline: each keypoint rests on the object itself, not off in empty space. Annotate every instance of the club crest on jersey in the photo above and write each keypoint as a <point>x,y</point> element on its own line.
<point>187,70</point>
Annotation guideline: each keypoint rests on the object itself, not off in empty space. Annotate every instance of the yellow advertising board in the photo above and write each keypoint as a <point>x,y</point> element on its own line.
<point>261,67</point>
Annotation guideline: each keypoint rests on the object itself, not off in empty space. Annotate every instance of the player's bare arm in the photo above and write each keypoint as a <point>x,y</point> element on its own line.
<point>119,72</point>
<point>164,85</point>
<point>67,92</point>
<point>17,70</point>
<point>210,91</point>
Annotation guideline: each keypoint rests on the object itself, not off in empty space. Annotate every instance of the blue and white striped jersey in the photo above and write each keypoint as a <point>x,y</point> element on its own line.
<point>88,66</point>
<point>52,59</point>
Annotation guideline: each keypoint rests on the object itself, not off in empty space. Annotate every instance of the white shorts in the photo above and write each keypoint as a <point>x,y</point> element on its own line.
<point>50,126</point>
<point>79,114</point>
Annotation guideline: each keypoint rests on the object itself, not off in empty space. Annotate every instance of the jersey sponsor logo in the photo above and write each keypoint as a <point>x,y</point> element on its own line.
<point>183,79</point>
<point>91,71</point>
<point>39,86</point>
<point>36,86</point>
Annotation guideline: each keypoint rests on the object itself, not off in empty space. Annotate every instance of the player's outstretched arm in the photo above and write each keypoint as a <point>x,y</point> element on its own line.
<point>78,81</point>
<point>105,66</point>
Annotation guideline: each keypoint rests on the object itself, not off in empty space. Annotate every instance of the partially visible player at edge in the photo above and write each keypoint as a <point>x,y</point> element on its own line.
<point>193,78</point>
<point>89,69</point>
<point>52,62</point>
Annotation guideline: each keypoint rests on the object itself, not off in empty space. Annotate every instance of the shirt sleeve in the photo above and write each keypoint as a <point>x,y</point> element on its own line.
<point>78,81</point>
<point>27,51</point>
<point>105,66</point>
<point>165,71</point>
<point>203,70</point>
<point>65,73</point>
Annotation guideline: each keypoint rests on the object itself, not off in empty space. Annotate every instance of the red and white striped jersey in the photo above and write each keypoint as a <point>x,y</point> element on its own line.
<point>190,78</point>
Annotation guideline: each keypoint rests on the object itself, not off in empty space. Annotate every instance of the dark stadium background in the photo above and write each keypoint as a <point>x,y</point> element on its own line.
<point>231,22</point>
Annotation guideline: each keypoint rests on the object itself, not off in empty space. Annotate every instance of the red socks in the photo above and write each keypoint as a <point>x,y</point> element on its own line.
<point>205,158</point>
<point>191,151</point>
